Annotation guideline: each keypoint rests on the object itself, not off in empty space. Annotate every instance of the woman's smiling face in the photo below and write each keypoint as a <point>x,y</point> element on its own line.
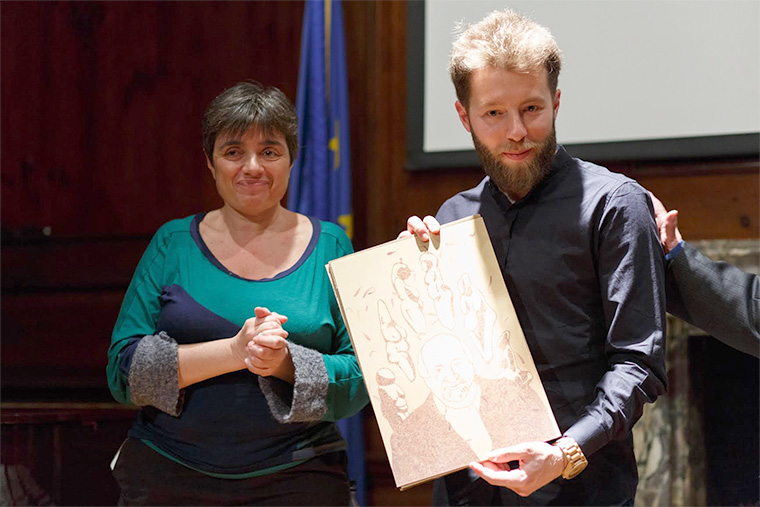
<point>251,169</point>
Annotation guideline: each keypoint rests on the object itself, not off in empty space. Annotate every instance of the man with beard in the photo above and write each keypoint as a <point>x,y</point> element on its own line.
<point>579,251</point>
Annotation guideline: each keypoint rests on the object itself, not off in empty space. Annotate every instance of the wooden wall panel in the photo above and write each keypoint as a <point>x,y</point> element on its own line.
<point>57,339</point>
<point>102,103</point>
<point>92,264</point>
<point>101,143</point>
<point>385,193</point>
<point>711,206</point>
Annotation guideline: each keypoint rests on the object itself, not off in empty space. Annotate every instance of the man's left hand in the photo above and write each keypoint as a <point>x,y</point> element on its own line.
<point>539,464</point>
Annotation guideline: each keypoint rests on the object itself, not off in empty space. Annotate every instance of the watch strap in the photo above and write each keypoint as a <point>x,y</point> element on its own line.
<point>575,461</point>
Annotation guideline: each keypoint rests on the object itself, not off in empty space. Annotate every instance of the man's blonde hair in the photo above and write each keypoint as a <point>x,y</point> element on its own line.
<point>503,40</point>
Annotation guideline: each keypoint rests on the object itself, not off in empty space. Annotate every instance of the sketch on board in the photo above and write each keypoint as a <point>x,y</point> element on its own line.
<point>392,398</point>
<point>409,296</point>
<point>440,293</point>
<point>447,367</point>
<point>396,345</point>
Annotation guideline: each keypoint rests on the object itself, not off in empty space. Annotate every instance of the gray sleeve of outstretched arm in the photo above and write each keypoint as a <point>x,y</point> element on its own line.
<point>719,298</point>
<point>154,374</point>
<point>306,399</point>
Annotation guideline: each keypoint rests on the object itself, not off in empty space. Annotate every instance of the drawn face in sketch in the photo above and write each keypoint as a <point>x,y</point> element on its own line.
<point>447,368</point>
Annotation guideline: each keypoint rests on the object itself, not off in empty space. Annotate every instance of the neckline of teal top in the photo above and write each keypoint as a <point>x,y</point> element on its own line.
<point>196,235</point>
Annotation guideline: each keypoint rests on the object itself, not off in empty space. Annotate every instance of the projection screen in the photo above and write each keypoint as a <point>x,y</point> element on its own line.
<point>641,79</point>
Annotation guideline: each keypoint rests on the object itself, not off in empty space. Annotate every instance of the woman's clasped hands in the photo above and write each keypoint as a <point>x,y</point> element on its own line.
<point>265,345</point>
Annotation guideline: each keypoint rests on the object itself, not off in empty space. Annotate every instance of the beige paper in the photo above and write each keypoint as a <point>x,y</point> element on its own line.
<point>445,361</point>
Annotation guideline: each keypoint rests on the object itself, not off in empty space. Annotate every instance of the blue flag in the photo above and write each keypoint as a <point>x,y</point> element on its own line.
<point>320,182</point>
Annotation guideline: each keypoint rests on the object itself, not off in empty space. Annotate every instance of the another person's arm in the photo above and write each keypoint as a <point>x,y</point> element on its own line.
<point>717,297</point>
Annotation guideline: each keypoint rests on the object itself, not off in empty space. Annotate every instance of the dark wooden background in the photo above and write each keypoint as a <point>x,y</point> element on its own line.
<point>101,144</point>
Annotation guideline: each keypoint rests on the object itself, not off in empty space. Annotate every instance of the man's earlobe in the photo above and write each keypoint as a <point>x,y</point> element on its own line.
<point>463,117</point>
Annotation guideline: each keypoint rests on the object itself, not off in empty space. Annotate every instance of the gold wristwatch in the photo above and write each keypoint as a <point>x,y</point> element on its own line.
<point>575,461</point>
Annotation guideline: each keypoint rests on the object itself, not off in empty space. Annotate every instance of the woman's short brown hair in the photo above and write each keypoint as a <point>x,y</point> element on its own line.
<point>248,104</point>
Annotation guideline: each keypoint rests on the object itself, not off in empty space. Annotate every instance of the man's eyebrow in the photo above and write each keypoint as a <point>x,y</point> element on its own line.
<point>535,98</point>
<point>497,103</point>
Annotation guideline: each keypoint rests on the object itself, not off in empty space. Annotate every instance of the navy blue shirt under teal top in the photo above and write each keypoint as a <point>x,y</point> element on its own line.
<point>225,427</point>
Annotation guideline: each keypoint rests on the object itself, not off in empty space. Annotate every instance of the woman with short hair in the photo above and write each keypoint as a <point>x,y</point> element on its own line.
<point>230,339</point>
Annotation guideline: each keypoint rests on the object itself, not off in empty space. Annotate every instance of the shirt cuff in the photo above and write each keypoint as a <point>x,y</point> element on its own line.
<point>306,399</point>
<point>154,374</point>
<point>589,435</point>
<point>125,357</point>
<point>673,253</point>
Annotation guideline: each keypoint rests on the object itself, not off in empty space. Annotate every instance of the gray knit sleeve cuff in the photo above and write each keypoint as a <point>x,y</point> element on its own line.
<point>304,401</point>
<point>154,374</point>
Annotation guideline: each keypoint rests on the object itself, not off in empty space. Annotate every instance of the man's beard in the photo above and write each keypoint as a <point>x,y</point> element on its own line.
<point>517,180</point>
